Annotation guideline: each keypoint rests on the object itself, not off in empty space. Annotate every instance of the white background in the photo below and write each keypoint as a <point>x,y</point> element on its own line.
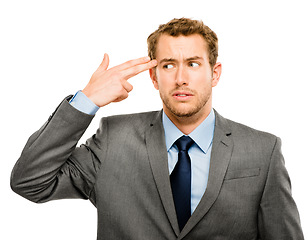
<point>49,49</point>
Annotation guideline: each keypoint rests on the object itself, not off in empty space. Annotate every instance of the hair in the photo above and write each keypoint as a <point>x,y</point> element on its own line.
<point>185,26</point>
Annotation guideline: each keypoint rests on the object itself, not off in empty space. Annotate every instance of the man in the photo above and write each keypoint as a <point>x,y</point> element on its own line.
<point>181,173</point>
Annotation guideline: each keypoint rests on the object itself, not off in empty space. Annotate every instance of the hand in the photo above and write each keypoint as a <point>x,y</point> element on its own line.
<point>106,86</point>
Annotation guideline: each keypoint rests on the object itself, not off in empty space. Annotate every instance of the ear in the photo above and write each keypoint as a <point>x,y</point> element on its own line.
<point>153,76</point>
<point>216,74</point>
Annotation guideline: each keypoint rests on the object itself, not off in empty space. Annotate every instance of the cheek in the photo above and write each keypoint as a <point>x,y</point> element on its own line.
<point>163,81</point>
<point>200,82</point>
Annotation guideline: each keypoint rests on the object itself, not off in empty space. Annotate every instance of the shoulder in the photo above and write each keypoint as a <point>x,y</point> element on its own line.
<point>250,146</point>
<point>126,127</point>
<point>143,118</point>
<point>244,131</point>
<point>135,121</point>
<point>246,135</point>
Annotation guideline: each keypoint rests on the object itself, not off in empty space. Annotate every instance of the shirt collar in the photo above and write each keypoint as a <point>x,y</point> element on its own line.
<point>202,135</point>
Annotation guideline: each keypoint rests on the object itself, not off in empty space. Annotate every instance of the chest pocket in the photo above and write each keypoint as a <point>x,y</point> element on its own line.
<point>242,173</point>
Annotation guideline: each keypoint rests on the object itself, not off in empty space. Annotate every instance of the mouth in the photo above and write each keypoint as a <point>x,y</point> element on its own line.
<point>182,95</point>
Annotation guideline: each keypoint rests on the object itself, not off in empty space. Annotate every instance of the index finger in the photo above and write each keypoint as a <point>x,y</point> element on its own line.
<point>132,63</point>
<point>136,69</point>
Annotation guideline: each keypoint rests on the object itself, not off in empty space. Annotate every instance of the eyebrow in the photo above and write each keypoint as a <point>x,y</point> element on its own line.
<point>167,60</point>
<point>194,58</point>
<point>174,60</point>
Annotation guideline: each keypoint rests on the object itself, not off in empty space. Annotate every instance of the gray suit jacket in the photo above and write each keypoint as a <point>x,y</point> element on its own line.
<point>123,170</point>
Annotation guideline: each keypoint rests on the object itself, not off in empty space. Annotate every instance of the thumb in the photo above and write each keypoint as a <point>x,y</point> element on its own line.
<point>105,62</point>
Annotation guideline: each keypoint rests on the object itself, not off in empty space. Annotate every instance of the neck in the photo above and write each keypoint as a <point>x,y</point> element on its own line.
<point>188,124</point>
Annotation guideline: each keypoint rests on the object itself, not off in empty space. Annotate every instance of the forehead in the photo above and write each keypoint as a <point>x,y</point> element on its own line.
<point>181,46</point>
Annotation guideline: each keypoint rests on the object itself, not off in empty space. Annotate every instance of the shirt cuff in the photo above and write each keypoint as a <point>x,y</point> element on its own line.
<point>82,103</point>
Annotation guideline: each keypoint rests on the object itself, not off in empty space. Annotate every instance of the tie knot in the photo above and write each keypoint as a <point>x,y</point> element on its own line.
<point>184,143</point>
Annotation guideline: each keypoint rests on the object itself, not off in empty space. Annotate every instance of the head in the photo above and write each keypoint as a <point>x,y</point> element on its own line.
<point>185,27</point>
<point>186,52</point>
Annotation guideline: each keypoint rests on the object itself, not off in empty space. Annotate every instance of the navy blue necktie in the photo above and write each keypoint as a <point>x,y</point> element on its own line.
<point>181,181</point>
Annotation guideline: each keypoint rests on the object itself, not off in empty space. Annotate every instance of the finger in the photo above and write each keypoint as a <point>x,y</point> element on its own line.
<point>127,86</point>
<point>105,63</point>
<point>133,71</point>
<point>122,97</point>
<point>132,63</point>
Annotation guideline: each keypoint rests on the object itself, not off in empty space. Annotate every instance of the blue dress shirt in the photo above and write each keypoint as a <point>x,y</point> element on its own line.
<point>82,103</point>
<point>200,152</point>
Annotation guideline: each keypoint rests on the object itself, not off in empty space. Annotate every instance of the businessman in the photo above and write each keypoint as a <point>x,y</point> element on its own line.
<point>184,172</point>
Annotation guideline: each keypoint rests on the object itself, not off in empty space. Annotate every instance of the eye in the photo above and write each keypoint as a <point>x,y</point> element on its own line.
<point>168,66</point>
<point>194,64</point>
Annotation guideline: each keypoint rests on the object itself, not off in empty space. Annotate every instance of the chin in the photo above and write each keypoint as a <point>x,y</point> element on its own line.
<point>184,112</point>
<point>185,109</point>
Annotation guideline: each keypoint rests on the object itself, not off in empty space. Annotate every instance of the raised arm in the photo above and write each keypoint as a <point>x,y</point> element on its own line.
<point>50,166</point>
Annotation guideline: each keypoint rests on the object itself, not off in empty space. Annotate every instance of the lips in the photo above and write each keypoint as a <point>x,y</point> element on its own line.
<point>182,95</point>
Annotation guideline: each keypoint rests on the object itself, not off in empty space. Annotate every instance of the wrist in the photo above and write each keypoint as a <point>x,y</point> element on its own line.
<point>81,102</point>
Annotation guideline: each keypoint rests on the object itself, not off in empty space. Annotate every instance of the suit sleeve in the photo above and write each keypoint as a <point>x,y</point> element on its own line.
<point>278,217</point>
<point>50,166</point>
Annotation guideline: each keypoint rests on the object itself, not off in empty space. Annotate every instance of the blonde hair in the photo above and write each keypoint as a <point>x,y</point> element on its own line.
<point>186,27</point>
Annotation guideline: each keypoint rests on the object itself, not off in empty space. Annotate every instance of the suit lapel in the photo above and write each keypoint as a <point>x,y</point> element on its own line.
<point>158,156</point>
<point>220,157</point>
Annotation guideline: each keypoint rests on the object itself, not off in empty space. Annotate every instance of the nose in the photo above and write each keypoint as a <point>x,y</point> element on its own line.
<point>181,76</point>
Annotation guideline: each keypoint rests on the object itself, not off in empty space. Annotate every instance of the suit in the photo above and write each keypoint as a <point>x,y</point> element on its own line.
<point>123,171</point>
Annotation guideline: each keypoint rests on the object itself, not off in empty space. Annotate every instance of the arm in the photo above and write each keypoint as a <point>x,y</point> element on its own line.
<point>50,166</point>
<point>278,215</point>
<point>45,169</point>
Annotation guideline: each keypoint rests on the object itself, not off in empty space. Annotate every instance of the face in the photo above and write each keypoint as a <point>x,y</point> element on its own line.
<point>184,77</point>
